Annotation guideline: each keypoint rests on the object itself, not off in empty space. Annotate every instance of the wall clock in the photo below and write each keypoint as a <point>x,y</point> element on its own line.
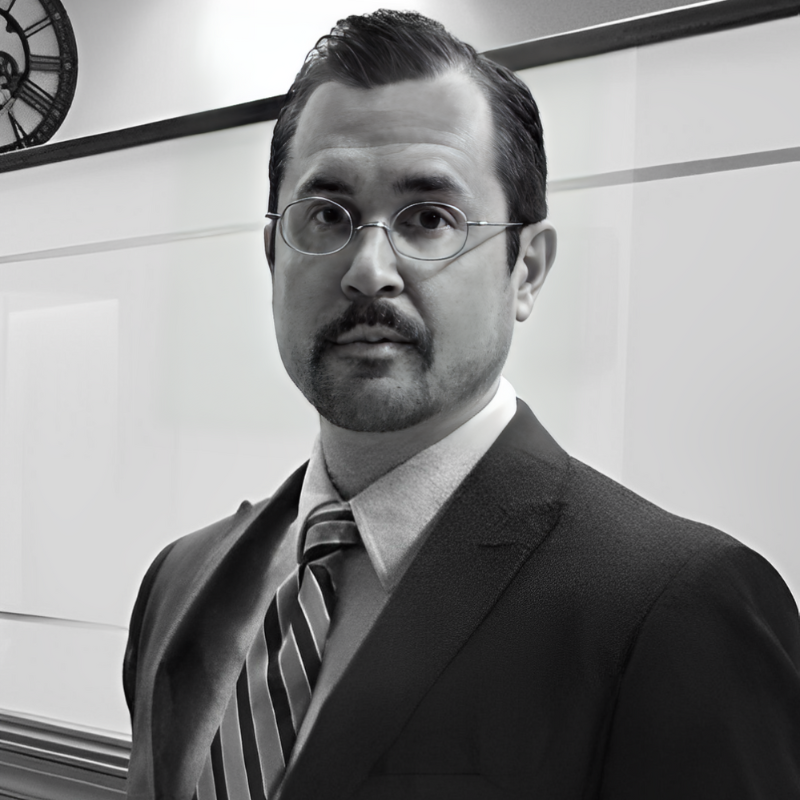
<point>38,71</point>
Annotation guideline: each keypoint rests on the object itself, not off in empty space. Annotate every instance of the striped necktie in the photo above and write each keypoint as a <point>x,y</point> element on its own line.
<point>252,746</point>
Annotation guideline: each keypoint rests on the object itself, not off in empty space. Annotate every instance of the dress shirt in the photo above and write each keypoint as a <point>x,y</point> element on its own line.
<point>393,515</point>
<point>393,512</point>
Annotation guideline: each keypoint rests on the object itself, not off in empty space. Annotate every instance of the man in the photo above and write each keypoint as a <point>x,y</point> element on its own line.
<point>442,603</point>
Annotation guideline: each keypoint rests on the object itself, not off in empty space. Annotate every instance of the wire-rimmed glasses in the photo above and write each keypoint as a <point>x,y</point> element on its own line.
<point>319,226</point>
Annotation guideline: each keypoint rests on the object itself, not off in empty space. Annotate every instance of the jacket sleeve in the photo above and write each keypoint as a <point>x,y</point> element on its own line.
<point>130,662</point>
<point>709,701</point>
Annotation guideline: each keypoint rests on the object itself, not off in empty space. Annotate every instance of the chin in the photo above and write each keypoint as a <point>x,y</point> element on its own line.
<point>380,396</point>
<point>373,405</point>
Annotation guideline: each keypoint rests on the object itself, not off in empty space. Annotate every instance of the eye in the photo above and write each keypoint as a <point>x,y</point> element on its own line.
<point>328,215</point>
<point>431,220</point>
<point>427,218</point>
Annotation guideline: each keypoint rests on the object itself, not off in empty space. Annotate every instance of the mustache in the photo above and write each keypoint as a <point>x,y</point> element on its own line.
<point>376,312</point>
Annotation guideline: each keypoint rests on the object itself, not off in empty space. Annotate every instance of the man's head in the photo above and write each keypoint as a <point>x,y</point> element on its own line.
<point>392,112</point>
<point>392,46</point>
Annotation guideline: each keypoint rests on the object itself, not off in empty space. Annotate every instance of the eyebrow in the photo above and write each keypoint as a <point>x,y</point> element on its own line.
<point>428,183</point>
<point>408,184</point>
<point>325,183</point>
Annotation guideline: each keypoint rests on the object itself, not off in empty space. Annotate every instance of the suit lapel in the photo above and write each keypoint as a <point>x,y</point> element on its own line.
<point>495,520</point>
<point>204,655</point>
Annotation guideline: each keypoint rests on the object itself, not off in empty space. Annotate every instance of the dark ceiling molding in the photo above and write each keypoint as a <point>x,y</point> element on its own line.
<point>46,761</point>
<point>659,27</point>
<point>189,125</point>
<point>675,23</point>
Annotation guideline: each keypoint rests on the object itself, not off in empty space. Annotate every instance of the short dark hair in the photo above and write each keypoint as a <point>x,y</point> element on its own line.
<point>391,46</point>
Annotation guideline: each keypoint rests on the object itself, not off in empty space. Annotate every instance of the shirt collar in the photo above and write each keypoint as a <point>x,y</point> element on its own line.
<point>394,512</point>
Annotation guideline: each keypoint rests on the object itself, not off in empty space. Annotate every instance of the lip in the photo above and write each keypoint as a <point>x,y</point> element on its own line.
<point>371,335</point>
<point>371,350</point>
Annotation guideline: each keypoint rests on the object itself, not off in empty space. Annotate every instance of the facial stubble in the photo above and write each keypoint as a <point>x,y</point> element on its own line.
<point>367,394</point>
<point>378,395</point>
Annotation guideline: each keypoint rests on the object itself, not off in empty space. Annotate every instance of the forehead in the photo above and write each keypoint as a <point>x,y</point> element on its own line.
<point>372,139</point>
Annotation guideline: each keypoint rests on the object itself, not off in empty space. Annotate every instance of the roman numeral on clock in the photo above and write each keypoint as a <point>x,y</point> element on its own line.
<point>38,26</point>
<point>37,75</point>
<point>45,63</point>
<point>19,131</point>
<point>36,97</point>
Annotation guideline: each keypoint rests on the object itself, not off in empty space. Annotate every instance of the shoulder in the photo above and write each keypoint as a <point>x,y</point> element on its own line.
<point>199,545</point>
<point>171,579</point>
<point>608,547</point>
<point>610,518</point>
<point>186,557</point>
<point>620,560</point>
<point>191,551</point>
<point>708,657</point>
<point>182,564</point>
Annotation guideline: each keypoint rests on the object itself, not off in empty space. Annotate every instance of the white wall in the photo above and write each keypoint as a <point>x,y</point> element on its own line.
<point>154,59</point>
<point>141,394</point>
<point>672,300</point>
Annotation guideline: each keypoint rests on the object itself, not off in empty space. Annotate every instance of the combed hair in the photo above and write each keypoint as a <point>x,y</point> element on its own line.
<point>391,46</point>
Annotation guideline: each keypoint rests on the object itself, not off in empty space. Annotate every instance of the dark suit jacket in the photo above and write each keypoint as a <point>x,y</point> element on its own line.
<point>557,636</point>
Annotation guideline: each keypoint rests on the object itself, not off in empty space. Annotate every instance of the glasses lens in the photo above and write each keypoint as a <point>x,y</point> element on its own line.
<point>316,226</point>
<point>429,231</point>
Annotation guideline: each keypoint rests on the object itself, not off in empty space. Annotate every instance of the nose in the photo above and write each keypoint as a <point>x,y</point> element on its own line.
<point>373,266</point>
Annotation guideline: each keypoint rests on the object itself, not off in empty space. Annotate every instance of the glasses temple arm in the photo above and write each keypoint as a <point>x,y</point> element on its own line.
<point>484,224</point>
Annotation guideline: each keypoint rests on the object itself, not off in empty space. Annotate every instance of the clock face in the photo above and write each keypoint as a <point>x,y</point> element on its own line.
<point>38,71</point>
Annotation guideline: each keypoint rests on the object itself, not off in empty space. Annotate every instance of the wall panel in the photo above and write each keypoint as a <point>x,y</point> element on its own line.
<point>588,109</point>
<point>173,188</point>
<point>713,382</point>
<point>569,359</point>
<point>68,673</point>
<point>718,95</point>
<point>137,417</point>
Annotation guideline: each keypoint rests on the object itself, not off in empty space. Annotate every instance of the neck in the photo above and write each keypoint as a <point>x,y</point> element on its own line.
<point>356,459</point>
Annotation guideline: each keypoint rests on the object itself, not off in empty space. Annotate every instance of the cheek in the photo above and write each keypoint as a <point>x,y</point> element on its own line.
<point>302,297</point>
<point>474,312</point>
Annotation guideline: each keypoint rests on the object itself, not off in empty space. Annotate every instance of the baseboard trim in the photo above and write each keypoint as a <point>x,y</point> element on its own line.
<point>43,760</point>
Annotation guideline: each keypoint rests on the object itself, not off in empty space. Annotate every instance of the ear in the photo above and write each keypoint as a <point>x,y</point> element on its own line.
<point>269,238</point>
<point>537,251</point>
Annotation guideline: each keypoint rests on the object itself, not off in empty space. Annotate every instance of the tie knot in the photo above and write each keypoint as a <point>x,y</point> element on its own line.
<point>325,530</point>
